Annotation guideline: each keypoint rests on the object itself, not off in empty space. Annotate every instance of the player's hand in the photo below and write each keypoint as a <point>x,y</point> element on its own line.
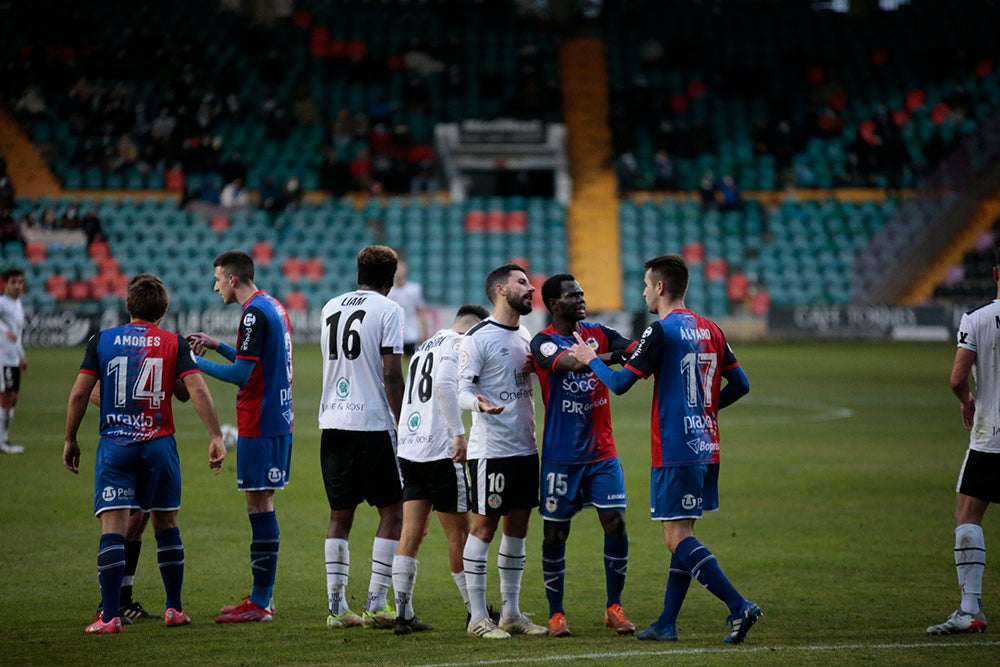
<point>216,454</point>
<point>200,342</point>
<point>581,351</point>
<point>11,336</point>
<point>487,407</point>
<point>460,444</point>
<point>24,365</point>
<point>71,456</point>
<point>968,413</point>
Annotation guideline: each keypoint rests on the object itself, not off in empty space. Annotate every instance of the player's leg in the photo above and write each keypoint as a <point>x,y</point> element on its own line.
<point>416,519</point>
<point>383,488</point>
<point>9,378</point>
<point>456,530</point>
<point>977,486</point>
<point>170,558</point>
<point>554,536</point>
<point>137,521</point>
<point>341,471</point>
<point>603,486</point>
<point>484,519</point>
<point>161,489</point>
<point>110,568</point>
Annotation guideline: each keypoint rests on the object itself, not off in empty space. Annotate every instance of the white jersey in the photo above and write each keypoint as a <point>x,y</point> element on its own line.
<point>358,328</point>
<point>494,362</point>
<point>11,319</point>
<point>431,417</point>
<point>979,331</point>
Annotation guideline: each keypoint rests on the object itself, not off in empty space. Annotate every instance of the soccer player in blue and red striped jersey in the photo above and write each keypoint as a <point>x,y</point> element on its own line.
<point>689,356</point>
<point>580,466</point>
<point>262,369</point>
<point>137,466</point>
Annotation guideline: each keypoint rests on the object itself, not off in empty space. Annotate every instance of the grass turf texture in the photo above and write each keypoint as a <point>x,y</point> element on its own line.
<point>836,504</point>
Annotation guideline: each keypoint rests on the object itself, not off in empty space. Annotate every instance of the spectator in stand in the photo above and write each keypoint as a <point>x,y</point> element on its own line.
<point>49,220</point>
<point>92,227</point>
<point>234,168</point>
<point>126,152</point>
<point>293,194</point>
<point>271,197</point>
<point>234,195</point>
<point>173,178</point>
<point>31,105</point>
<point>361,171</point>
<point>664,173</point>
<point>10,229</point>
<point>706,191</point>
<point>732,197</point>
<point>627,170</point>
<point>7,194</point>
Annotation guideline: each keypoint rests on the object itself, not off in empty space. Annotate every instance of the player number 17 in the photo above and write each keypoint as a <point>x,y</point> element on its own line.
<point>699,368</point>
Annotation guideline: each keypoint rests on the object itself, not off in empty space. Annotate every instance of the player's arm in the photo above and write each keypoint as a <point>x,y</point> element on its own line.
<point>617,381</point>
<point>737,386</point>
<point>960,371</point>
<point>76,408</point>
<point>392,376</point>
<point>201,398</point>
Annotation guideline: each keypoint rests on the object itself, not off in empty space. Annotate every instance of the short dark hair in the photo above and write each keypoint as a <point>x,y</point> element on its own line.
<point>146,298</point>
<point>672,271</point>
<point>10,272</point>
<point>499,275</point>
<point>237,263</point>
<point>552,288</point>
<point>472,309</point>
<point>377,265</point>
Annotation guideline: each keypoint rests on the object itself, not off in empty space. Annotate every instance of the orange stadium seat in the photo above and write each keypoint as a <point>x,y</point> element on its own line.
<point>79,290</point>
<point>263,252</point>
<point>475,221</point>
<point>35,252</point>
<point>57,286</point>
<point>291,268</point>
<point>296,301</point>
<point>313,269</point>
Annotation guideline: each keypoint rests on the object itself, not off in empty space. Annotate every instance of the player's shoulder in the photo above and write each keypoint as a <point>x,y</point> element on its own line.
<point>986,309</point>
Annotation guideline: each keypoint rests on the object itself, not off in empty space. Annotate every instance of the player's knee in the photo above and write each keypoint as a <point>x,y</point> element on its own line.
<point>613,523</point>
<point>555,532</point>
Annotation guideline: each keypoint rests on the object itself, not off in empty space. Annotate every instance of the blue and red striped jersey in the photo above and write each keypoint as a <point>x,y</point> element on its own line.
<point>688,354</point>
<point>264,403</point>
<point>138,365</point>
<point>577,411</point>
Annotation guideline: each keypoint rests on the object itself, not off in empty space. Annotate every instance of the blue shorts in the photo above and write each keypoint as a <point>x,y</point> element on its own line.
<point>141,475</point>
<point>569,487</point>
<point>263,464</point>
<point>683,492</point>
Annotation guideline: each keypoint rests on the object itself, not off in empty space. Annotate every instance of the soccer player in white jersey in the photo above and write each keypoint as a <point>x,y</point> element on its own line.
<point>494,381</point>
<point>432,448</point>
<point>13,361</point>
<point>979,478</point>
<point>362,347</point>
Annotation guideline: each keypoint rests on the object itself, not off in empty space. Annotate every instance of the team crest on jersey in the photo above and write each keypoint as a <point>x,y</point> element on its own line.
<point>549,348</point>
<point>249,320</point>
<point>463,359</point>
<point>591,343</point>
<point>108,494</point>
<point>343,387</point>
<point>494,500</point>
<point>551,503</point>
<point>413,422</point>
<point>689,502</point>
<point>274,475</point>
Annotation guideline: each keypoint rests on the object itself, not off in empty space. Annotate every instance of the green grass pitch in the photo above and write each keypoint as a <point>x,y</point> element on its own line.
<point>836,517</point>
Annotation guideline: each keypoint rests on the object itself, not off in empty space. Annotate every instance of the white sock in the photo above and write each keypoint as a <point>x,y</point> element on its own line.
<point>474,557</point>
<point>463,590</point>
<point>4,419</point>
<point>510,560</point>
<point>383,551</point>
<point>970,562</point>
<point>338,567</point>
<point>404,577</point>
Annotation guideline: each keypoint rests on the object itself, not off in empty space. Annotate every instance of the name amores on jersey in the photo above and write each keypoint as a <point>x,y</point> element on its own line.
<point>137,341</point>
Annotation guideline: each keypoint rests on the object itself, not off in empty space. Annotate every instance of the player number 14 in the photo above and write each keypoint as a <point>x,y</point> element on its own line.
<point>148,386</point>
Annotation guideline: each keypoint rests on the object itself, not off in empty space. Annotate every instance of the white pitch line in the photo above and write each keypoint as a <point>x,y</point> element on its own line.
<point>707,651</point>
<point>796,412</point>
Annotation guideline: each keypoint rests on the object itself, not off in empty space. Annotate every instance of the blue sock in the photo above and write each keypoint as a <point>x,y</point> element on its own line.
<point>615,566</point>
<point>703,566</point>
<point>263,556</point>
<point>678,582</point>
<point>554,574</point>
<point>170,556</point>
<point>110,571</point>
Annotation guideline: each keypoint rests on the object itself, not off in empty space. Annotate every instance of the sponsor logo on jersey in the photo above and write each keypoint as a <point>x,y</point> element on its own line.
<point>274,475</point>
<point>110,493</point>
<point>521,378</point>
<point>413,422</point>
<point>343,387</point>
<point>249,320</point>
<point>699,446</point>
<point>549,348</point>
<point>494,500</point>
<point>699,423</point>
<point>580,383</point>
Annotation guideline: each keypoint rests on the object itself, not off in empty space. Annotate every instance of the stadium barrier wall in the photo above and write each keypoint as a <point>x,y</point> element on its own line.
<point>888,322</point>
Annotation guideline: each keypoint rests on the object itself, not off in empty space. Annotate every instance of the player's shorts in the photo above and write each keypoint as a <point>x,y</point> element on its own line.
<point>569,487</point>
<point>501,485</point>
<point>263,464</point>
<point>980,476</point>
<point>10,378</point>
<point>683,492</point>
<point>442,482</point>
<point>142,475</point>
<point>360,466</point>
